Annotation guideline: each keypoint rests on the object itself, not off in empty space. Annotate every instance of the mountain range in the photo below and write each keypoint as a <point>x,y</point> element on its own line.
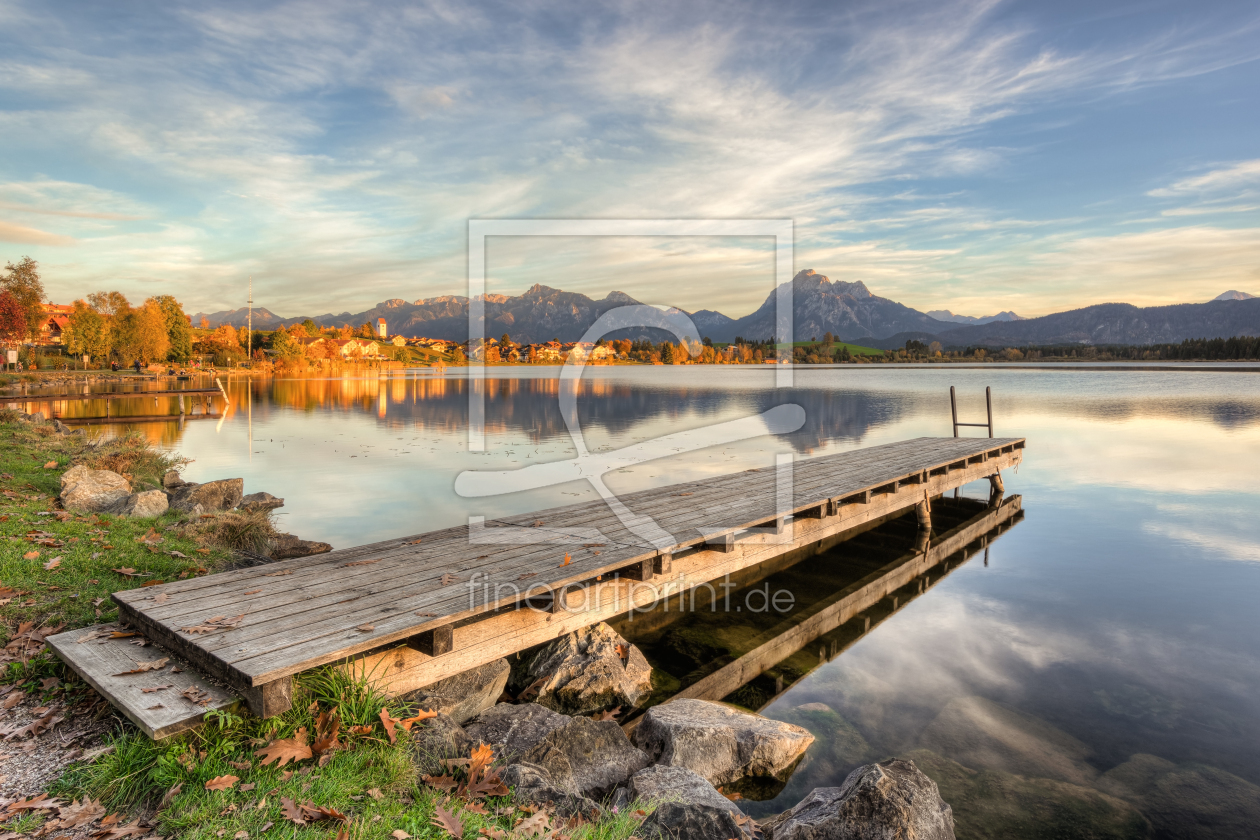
<point>849,311</point>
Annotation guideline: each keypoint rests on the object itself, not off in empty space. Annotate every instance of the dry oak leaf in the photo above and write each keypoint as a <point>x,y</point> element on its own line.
<point>442,783</point>
<point>360,563</point>
<point>292,811</point>
<point>31,555</point>
<point>280,573</point>
<point>222,782</point>
<point>624,652</point>
<point>447,821</point>
<point>286,750</point>
<point>608,714</point>
<point>315,813</point>
<point>539,823</point>
<point>366,628</point>
<point>127,571</point>
<point>142,667</point>
<point>170,795</point>
<point>133,829</point>
<point>32,803</point>
<point>13,699</point>
<point>219,622</point>
<point>52,564</point>
<point>50,465</point>
<point>78,814</point>
<point>448,579</point>
<point>567,559</point>
<point>399,834</point>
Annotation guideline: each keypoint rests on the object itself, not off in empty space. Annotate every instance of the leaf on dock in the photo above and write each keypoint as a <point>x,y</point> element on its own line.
<point>448,578</point>
<point>219,622</point>
<point>143,667</point>
<point>360,563</point>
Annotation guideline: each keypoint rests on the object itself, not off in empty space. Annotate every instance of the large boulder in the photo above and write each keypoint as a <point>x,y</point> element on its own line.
<point>875,802</point>
<point>694,821</point>
<point>210,497</point>
<point>147,504</point>
<point>466,695</point>
<point>585,672</point>
<point>660,783</point>
<point>587,757</point>
<point>85,490</point>
<point>438,738</point>
<point>289,547</point>
<point>533,785</point>
<point>514,730</point>
<point>261,501</point>
<point>719,742</point>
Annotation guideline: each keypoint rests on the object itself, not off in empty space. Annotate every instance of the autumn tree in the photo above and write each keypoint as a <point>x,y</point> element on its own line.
<point>109,303</point>
<point>365,331</point>
<point>345,332</point>
<point>205,323</point>
<point>88,332</point>
<point>178,330</point>
<point>312,329</point>
<point>667,353</point>
<point>12,318</point>
<point>284,345</point>
<point>22,281</point>
<point>141,333</point>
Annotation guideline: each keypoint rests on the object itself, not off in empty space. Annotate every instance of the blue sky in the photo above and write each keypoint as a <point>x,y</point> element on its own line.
<point>975,156</point>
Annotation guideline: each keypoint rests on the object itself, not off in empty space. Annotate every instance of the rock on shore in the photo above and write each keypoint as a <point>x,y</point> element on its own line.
<point>876,802</point>
<point>466,695</point>
<point>585,672</point>
<point>85,490</point>
<point>719,742</point>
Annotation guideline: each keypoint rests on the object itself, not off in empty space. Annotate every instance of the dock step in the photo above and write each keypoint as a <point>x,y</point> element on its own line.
<point>164,696</point>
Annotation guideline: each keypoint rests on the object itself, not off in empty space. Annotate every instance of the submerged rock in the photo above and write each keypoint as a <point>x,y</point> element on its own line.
<point>85,490</point>
<point>585,672</point>
<point>289,547</point>
<point>979,733</point>
<point>533,785</point>
<point>994,805</point>
<point>466,695</point>
<point>695,821</point>
<point>149,503</point>
<point>660,783</point>
<point>514,730</point>
<point>719,742</point>
<point>210,497</point>
<point>1185,800</point>
<point>891,799</point>
<point>587,757</point>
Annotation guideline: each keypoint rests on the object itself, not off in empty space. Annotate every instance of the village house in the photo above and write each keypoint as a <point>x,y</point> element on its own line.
<point>56,318</point>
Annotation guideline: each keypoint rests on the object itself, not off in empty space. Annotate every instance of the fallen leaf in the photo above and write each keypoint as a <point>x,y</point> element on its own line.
<point>142,667</point>
<point>253,592</point>
<point>447,821</point>
<point>609,714</point>
<point>566,559</point>
<point>123,634</point>
<point>13,699</point>
<point>292,811</point>
<point>286,750</point>
<point>375,793</point>
<point>161,597</point>
<point>448,578</point>
<point>33,803</point>
<point>442,783</point>
<point>210,625</point>
<point>527,575</point>
<point>624,652</point>
<point>733,796</point>
<point>280,573</point>
<point>170,795</point>
<point>360,563</point>
<point>533,826</point>
<point>52,564</point>
<point>132,829</point>
<point>365,628</point>
<point>399,834</point>
<point>416,541</point>
<point>127,571</point>
<point>31,555</point>
<point>247,787</point>
<point>156,688</point>
<point>222,782</point>
<point>78,814</point>
<point>50,465</point>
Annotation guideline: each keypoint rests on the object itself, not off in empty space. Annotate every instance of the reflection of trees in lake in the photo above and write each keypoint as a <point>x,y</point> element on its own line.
<point>531,407</point>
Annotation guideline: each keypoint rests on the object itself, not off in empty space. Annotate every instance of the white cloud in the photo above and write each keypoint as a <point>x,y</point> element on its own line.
<point>1240,177</point>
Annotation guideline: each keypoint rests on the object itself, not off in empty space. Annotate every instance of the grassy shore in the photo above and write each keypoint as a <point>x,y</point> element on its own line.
<point>57,570</point>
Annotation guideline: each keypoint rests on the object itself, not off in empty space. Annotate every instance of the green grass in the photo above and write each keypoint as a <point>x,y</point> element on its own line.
<point>76,591</point>
<point>855,349</point>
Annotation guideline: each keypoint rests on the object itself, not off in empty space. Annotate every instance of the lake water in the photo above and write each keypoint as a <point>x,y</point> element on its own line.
<point>1098,676</point>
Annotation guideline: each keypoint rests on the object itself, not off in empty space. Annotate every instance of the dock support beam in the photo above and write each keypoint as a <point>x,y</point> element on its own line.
<point>923,512</point>
<point>995,481</point>
<point>270,699</point>
<point>434,642</point>
<point>724,543</point>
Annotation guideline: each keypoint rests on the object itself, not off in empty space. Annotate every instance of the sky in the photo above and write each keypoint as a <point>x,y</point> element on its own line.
<point>971,156</point>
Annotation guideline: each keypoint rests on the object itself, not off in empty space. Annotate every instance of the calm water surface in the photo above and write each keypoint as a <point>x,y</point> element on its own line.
<point>1098,677</point>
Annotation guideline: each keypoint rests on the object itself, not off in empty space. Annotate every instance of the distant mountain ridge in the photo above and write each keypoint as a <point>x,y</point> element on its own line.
<point>849,311</point>
<point>946,315</point>
<point>1233,294</point>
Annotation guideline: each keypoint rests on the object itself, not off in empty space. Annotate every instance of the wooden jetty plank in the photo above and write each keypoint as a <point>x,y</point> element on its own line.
<point>142,418</point>
<point>477,643</point>
<point>845,604</point>
<point>388,592</point>
<point>159,713</point>
<point>333,600</point>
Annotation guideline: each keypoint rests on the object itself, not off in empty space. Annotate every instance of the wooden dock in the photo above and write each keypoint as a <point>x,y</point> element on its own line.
<point>207,397</point>
<point>415,610</point>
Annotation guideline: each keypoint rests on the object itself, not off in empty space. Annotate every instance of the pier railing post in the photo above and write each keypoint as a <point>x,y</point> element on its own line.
<point>988,402</point>
<point>953,408</point>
